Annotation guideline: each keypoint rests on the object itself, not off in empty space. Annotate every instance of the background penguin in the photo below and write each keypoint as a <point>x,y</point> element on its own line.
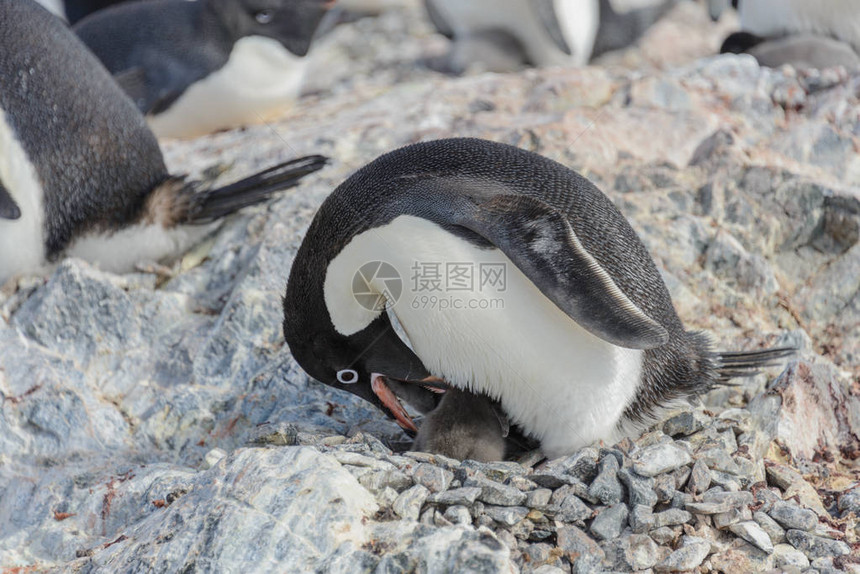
<point>838,19</point>
<point>198,67</point>
<point>587,345</point>
<point>506,35</point>
<point>80,172</point>
<point>799,51</point>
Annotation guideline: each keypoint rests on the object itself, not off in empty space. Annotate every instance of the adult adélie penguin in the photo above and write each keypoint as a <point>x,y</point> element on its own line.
<point>80,172</point>
<point>201,66</point>
<point>579,343</point>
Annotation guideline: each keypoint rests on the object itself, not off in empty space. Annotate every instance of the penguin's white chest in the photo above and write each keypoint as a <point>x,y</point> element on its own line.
<point>260,78</point>
<point>22,240</point>
<point>477,321</point>
<point>577,20</point>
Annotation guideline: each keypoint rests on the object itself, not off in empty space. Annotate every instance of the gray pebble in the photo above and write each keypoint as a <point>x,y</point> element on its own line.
<point>538,498</point>
<point>681,500</point>
<point>583,552</point>
<point>682,475</point>
<point>849,502</point>
<point>458,514</point>
<point>567,507</point>
<point>660,458</point>
<point>386,497</point>
<point>464,496</point>
<point>725,480</point>
<point>663,535</point>
<point>781,475</point>
<point>436,479</point>
<point>609,523</point>
<point>582,464</point>
<point>507,515</point>
<point>685,423</point>
<point>671,517</point>
<point>754,534</point>
<point>408,504</point>
<point>664,487</point>
<point>692,552</point>
<point>791,516</point>
<point>725,519</point>
<point>493,492</point>
<point>640,489</point>
<point>631,553</point>
<point>377,480</point>
<point>498,471</point>
<point>521,483</point>
<point>548,479</point>
<point>786,555</point>
<point>605,486</point>
<point>769,525</point>
<point>816,546</point>
<point>356,459</point>
<point>641,518</point>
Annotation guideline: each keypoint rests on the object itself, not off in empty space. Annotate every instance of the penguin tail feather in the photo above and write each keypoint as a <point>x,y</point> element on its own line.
<point>207,206</point>
<point>731,364</point>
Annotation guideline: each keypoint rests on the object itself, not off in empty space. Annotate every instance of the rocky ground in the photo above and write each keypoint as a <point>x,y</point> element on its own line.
<point>155,421</point>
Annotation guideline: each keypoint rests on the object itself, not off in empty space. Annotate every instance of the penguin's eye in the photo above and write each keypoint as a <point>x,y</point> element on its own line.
<point>264,16</point>
<point>347,376</point>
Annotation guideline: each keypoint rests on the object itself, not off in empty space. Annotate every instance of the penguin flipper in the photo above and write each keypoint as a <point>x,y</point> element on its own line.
<point>8,208</point>
<point>540,241</point>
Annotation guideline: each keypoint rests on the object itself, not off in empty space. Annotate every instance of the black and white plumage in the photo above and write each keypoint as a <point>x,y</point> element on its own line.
<point>798,50</point>
<point>586,345</point>
<point>506,35</point>
<point>197,67</point>
<point>80,172</point>
<point>813,34</point>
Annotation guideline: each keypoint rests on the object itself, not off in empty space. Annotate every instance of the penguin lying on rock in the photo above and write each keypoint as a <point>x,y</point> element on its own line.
<point>582,342</point>
<point>80,172</point>
<point>506,35</point>
<point>795,32</point>
<point>198,67</point>
<point>800,51</point>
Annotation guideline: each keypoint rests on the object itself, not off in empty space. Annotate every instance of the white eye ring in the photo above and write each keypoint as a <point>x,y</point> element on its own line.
<point>347,376</point>
<point>264,16</point>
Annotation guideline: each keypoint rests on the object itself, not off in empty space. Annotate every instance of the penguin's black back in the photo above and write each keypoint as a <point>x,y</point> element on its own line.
<point>92,150</point>
<point>172,43</point>
<point>418,179</point>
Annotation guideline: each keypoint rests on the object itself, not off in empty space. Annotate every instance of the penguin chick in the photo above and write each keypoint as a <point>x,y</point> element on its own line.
<point>582,343</point>
<point>198,67</point>
<point>80,172</point>
<point>464,426</point>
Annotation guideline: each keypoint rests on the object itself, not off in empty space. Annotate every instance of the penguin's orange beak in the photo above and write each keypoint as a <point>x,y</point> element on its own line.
<point>391,402</point>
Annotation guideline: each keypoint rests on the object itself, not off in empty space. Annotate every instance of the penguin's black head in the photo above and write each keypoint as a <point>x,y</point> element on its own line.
<point>363,363</point>
<point>291,22</point>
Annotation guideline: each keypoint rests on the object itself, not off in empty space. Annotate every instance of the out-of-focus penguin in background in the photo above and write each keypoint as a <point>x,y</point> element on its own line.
<point>198,67</point>
<point>81,174</point>
<point>796,32</point>
<point>507,35</point>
